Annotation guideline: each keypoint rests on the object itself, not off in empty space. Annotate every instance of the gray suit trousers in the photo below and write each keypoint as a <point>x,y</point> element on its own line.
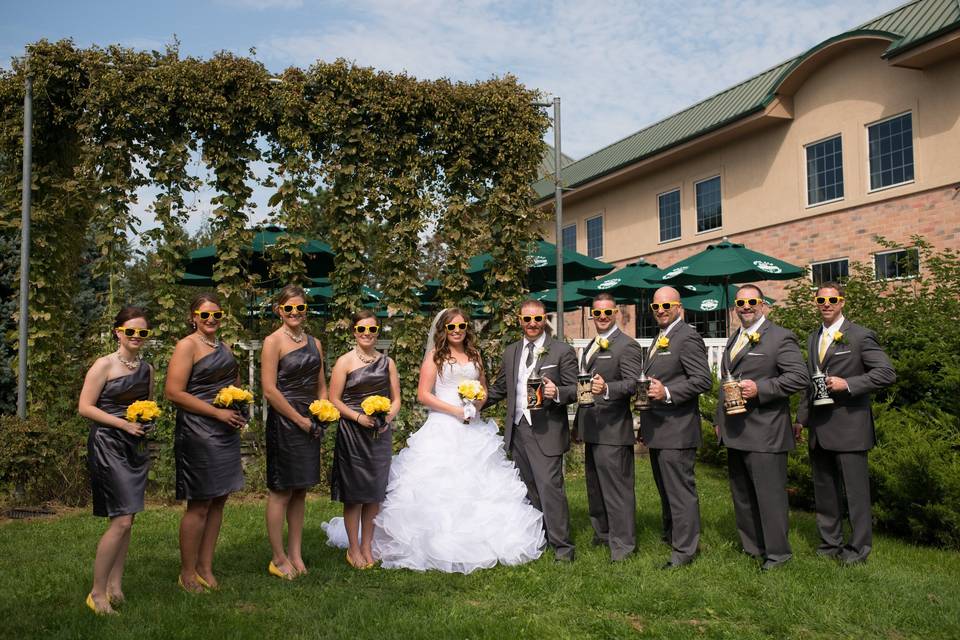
<point>836,473</point>
<point>758,482</point>
<point>611,497</point>
<point>673,472</point>
<point>543,476</point>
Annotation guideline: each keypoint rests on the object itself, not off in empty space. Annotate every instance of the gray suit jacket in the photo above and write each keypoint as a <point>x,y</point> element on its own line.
<point>551,428</point>
<point>683,368</point>
<point>847,424</point>
<point>776,365</point>
<point>610,420</point>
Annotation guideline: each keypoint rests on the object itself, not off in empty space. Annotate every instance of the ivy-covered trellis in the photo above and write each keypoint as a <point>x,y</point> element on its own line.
<point>398,158</point>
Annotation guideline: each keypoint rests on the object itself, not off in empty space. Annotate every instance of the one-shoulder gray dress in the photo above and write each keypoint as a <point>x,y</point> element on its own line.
<point>293,455</point>
<point>118,461</point>
<point>361,461</point>
<point>207,451</point>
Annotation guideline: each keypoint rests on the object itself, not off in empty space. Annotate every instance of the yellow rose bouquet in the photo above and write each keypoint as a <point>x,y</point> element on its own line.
<point>232,397</point>
<point>377,407</point>
<point>324,414</point>
<point>145,412</point>
<point>469,391</point>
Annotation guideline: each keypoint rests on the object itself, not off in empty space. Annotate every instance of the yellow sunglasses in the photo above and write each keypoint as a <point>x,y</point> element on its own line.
<point>656,306</point>
<point>830,299</point>
<point>537,318</point>
<point>596,313</point>
<point>742,302</point>
<point>206,315</point>
<point>135,331</point>
<point>454,326</point>
<point>290,308</point>
<point>362,328</point>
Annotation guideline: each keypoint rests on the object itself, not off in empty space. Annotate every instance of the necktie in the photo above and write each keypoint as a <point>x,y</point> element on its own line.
<point>655,345</point>
<point>529,360</point>
<point>739,345</point>
<point>593,348</point>
<point>824,345</point>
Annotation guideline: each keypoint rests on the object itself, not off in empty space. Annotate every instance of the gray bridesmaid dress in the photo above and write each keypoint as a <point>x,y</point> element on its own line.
<point>293,455</point>
<point>361,462</point>
<point>207,451</point>
<point>118,461</point>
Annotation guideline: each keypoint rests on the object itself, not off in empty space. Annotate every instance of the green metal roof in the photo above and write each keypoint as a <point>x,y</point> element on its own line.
<point>908,26</point>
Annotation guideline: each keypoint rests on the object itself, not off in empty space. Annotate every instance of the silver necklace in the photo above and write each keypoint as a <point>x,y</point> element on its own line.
<point>365,359</point>
<point>129,364</point>
<point>213,344</point>
<point>296,338</point>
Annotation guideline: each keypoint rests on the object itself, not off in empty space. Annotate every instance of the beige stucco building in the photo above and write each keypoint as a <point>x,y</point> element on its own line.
<point>808,161</point>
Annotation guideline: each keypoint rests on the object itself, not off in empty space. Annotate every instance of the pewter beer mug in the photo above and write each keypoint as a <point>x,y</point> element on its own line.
<point>733,402</point>
<point>642,403</point>
<point>821,395</point>
<point>585,389</point>
<point>534,392</point>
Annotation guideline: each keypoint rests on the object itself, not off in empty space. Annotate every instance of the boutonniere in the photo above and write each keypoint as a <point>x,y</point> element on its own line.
<point>541,351</point>
<point>663,342</point>
<point>839,338</point>
<point>603,343</point>
<point>753,337</point>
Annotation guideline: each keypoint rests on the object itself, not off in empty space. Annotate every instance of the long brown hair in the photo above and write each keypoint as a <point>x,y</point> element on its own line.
<point>441,352</point>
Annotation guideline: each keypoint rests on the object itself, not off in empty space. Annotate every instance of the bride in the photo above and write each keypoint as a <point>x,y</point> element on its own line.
<point>454,502</point>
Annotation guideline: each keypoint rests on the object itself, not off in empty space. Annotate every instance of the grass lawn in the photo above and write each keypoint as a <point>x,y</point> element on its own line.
<point>903,591</point>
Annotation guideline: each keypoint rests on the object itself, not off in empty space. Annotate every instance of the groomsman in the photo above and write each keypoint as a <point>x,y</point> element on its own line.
<point>767,360</point>
<point>615,360</point>
<point>538,439</point>
<point>679,372</point>
<point>841,433</point>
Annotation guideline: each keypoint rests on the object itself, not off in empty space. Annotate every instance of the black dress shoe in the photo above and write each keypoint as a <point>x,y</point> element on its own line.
<point>563,558</point>
<point>670,564</point>
<point>772,564</point>
<point>828,552</point>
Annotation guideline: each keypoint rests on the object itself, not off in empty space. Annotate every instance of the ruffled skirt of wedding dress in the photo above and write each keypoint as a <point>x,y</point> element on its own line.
<point>454,503</point>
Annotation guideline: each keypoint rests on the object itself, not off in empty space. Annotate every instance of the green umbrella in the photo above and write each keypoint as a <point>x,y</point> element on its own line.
<point>542,270</point>
<point>727,262</point>
<point>200,263</point>
<point>629,282</point>
<point>572,299</point>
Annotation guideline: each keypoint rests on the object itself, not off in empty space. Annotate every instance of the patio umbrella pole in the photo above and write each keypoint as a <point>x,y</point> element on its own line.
<point>558,198</point>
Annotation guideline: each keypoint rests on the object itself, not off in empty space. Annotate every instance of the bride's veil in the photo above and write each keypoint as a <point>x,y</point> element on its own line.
<point>432,334</point>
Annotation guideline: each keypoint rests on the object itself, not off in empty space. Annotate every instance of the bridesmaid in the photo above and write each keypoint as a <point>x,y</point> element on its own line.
<point>206,440</point>
<point>361,456</point>
<point>116,454</point>
<point>292,377</point>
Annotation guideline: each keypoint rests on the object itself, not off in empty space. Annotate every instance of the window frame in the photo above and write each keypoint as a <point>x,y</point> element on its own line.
<point>813,280</point>
<point>696,205</point>
<point>913,147</point>
<point>679,235</point>
<point>563,230</point>
<point>586,225</point>
<point>806,171</point>
<point>877,277</point>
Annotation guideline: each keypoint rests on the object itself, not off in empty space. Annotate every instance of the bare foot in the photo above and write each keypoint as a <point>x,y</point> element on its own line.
<point>368,557</point>
<point>101,605</point>
<point>115,595</point>
<point>356,559</point>
<point>189,583</point>
<point>206,579</point>
<point>298,566</point>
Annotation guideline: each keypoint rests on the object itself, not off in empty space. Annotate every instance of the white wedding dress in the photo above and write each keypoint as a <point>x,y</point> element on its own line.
<point>454,503</point>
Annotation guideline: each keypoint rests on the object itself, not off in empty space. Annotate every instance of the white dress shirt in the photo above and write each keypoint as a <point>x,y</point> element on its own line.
<point>523,373</point>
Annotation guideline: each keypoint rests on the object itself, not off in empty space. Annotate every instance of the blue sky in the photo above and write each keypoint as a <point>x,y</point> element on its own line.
<point>617,65</point>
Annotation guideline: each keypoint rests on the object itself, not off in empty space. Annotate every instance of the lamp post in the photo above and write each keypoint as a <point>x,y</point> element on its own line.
<point>558,206</point>
<point>25,244</point>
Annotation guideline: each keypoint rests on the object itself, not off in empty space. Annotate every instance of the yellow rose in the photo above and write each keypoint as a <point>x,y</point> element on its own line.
<point>324,411</point>
<point>231,396</point>
<point>375,404</point>
<point>143,411</point>
<point>838,337</point>
<point>603,343</point>
<point>753,337</point>
<point>663,342</point>
<point>471,390</point>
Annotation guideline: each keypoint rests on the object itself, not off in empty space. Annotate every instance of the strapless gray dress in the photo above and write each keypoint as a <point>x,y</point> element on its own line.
<point>207,451</point>
<point>361,462</point>
<point>293,455</point>
<point>118,461</point>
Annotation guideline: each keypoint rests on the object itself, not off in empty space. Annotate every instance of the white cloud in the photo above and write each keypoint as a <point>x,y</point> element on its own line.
<point>617,65</point>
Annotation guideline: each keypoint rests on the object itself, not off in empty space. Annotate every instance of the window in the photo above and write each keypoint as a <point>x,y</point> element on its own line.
<point>891,151</point>
<point>669,206</point>
<point>903,263</point>
<point>569,241</point>
<point>595,237</point>
<point>824,171</point>
<point>836,270</point>
<point>708,205</point>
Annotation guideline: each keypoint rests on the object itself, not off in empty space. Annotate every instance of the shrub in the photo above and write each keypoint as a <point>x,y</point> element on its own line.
<point>46,459</point>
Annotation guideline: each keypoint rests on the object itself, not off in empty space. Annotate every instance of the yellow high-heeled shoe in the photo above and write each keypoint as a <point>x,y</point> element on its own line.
<point>206,585</point>
<point>93,607</point>
<point>274,571</point>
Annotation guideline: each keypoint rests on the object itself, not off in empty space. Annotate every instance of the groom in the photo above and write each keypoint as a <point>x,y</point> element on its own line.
<point>538,439</point>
